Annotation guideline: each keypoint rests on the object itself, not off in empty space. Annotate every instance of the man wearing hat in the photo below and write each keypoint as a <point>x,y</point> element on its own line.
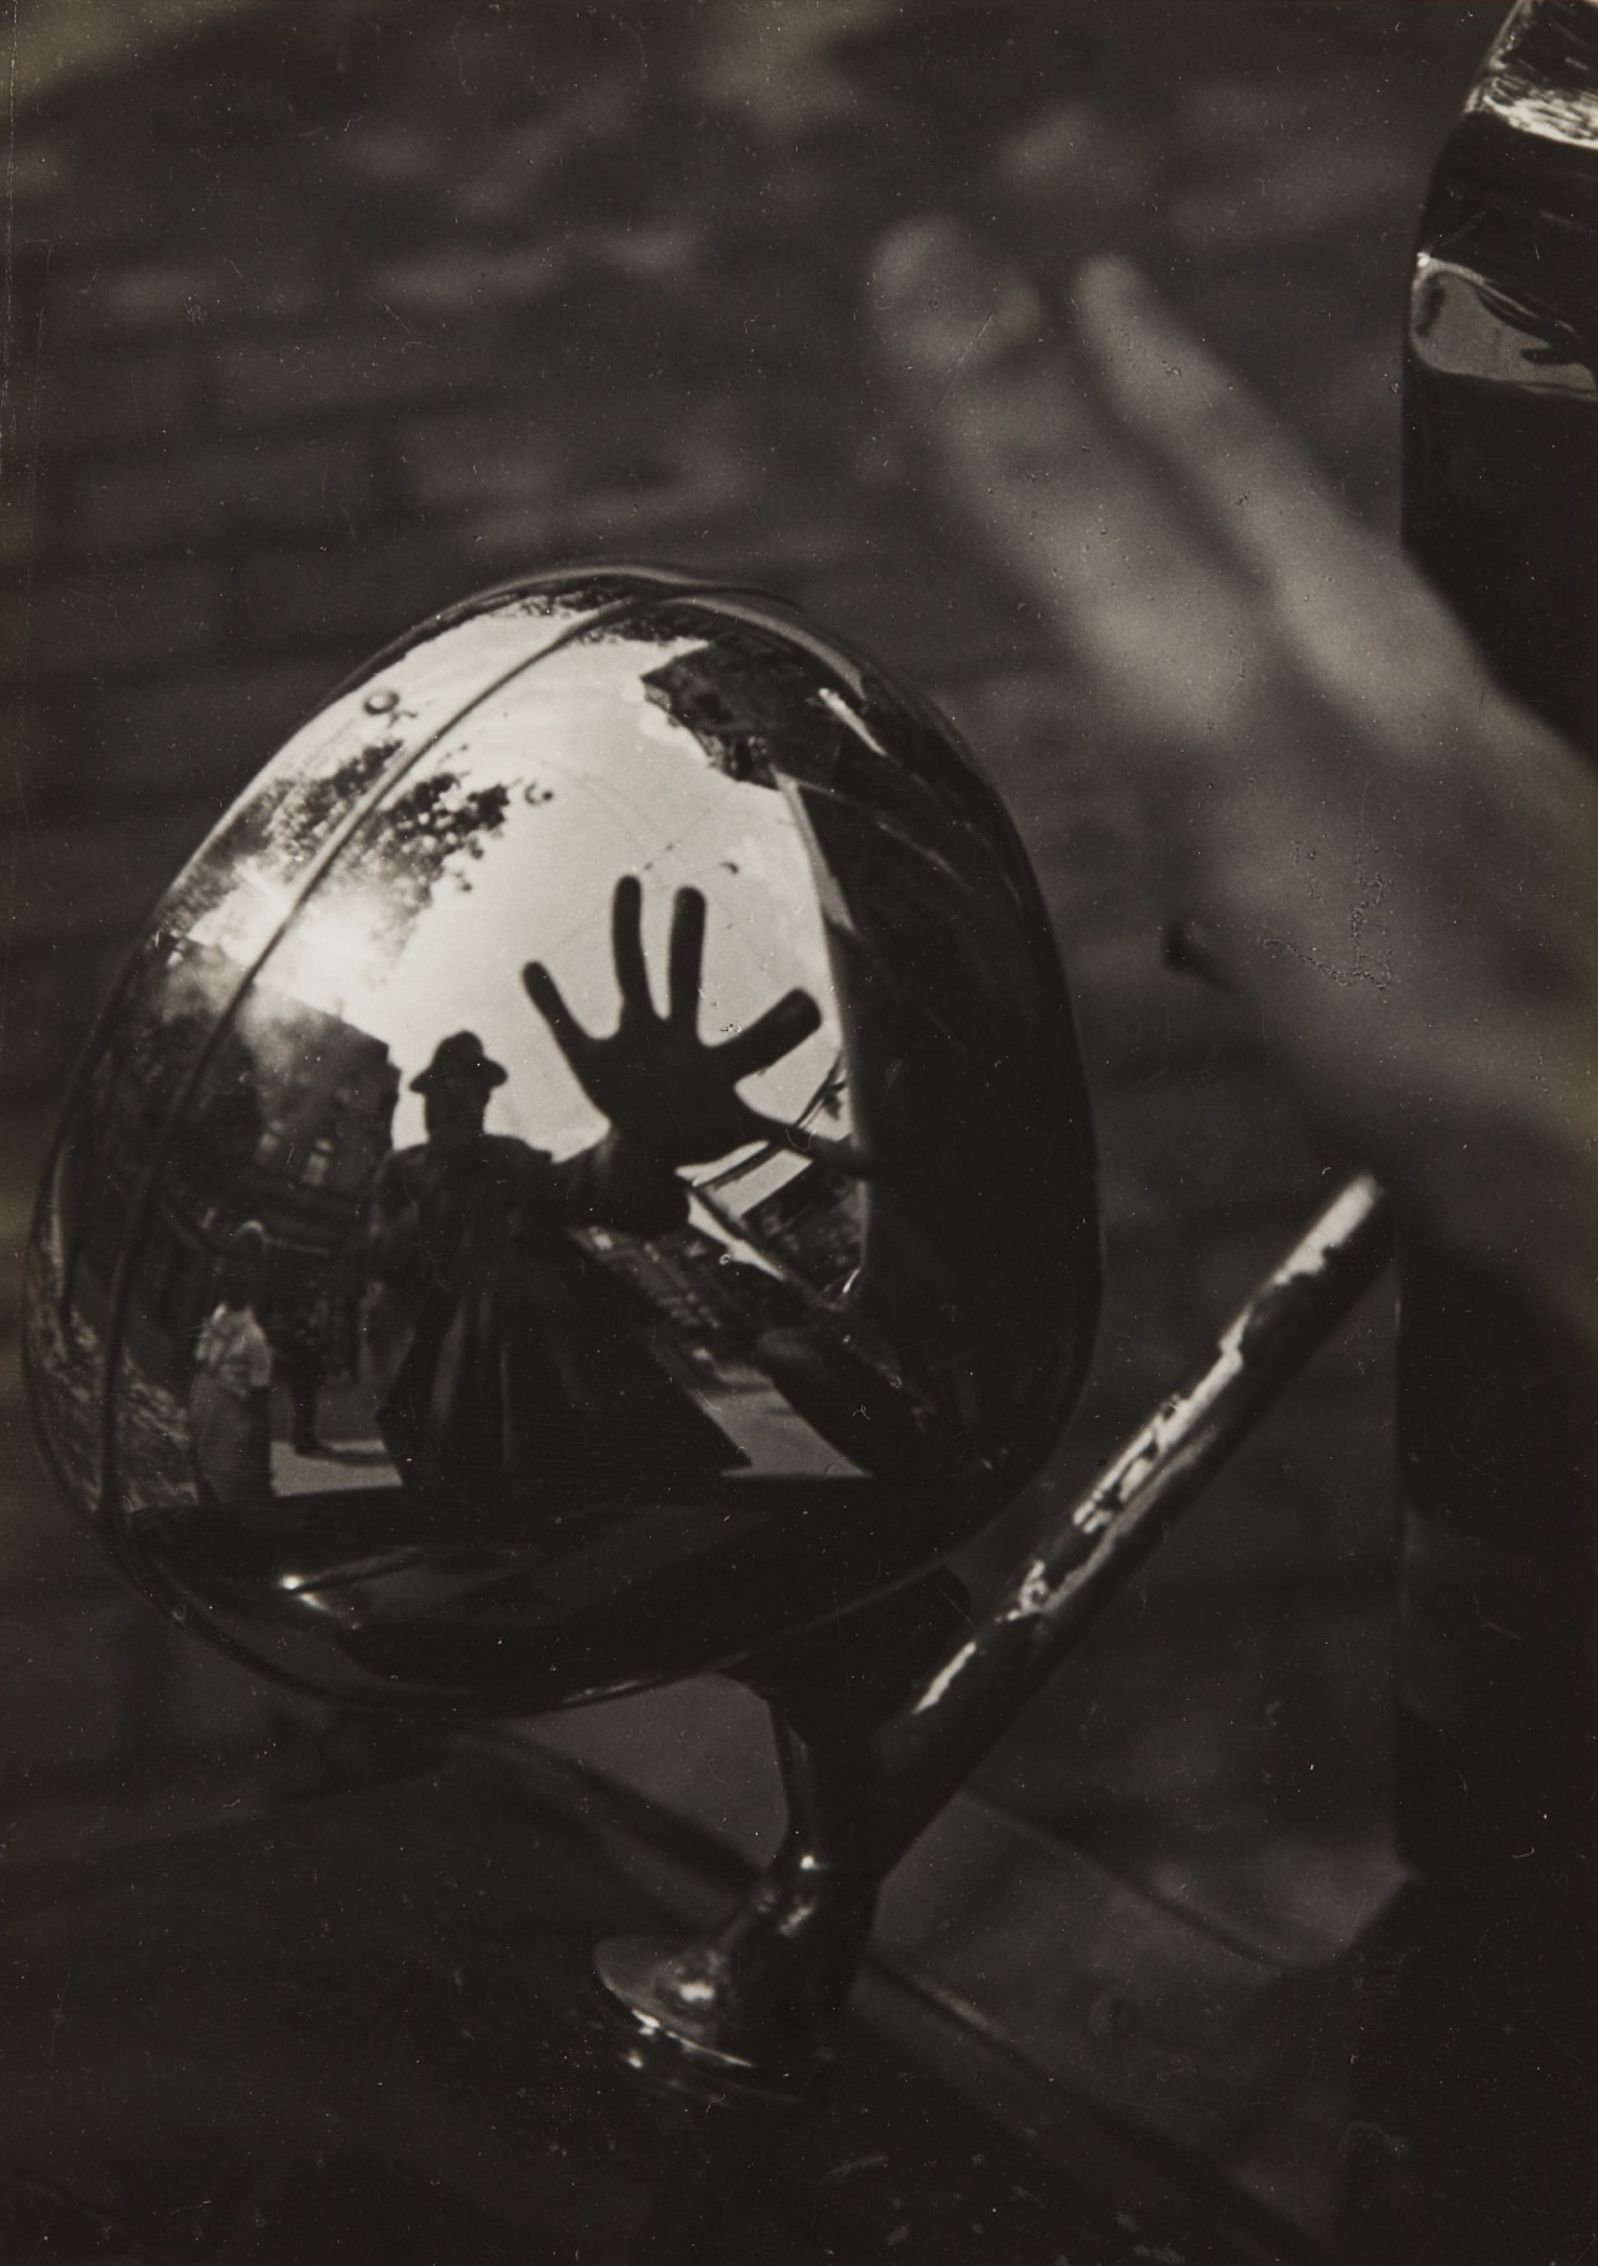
<point>514,1373</point>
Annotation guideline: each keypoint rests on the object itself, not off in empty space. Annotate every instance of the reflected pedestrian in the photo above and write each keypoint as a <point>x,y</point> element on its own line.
<point>229,1410</point>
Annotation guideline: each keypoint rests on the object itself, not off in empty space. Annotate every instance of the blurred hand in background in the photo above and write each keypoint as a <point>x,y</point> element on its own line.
<point>1396,864</point>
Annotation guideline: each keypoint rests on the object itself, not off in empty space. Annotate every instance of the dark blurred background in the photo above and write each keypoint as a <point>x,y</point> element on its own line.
<point>318,316</point>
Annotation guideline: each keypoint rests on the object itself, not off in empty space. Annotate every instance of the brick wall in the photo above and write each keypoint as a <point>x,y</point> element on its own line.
<point>318,318</point>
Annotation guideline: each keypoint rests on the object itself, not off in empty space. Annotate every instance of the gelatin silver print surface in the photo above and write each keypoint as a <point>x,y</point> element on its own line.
<point>587,1171</point>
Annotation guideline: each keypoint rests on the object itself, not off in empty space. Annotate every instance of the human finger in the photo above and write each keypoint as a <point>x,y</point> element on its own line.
<point>686,958</point>
<point>627,945</point>
<point>1153,608</point>
<point>550,1001</point>
<point>1166,385</point>
<point>1350,604</point>
<point>770,1036</point>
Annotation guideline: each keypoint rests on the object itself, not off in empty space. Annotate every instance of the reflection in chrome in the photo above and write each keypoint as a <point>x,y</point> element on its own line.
<point>1501,364</point>
<point>607,1095</point>
<point>228,1412</point>
<point>1466,325</point>
<point>1541,77</point>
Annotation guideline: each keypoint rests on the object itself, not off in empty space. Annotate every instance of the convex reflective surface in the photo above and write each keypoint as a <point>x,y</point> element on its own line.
<point>587,1171</point>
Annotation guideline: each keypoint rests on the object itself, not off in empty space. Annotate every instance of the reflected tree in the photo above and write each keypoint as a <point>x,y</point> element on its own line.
<point>421,834</point>
<point>406,846</point>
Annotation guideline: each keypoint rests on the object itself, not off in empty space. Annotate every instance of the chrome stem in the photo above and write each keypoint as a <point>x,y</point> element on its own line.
<point>971,1698</point>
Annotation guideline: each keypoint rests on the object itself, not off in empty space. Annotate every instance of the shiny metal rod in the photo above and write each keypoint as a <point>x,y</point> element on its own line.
<point>975,1694</point>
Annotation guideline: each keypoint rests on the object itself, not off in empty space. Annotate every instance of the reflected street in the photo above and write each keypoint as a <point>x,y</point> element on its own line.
<point>588,1168</point>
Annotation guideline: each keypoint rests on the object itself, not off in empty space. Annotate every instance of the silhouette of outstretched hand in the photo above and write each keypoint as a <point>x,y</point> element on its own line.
<point>659,1083</point>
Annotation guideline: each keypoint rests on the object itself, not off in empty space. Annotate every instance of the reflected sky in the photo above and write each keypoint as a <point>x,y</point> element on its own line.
<point>579,810</point>
<point>667,1433</point>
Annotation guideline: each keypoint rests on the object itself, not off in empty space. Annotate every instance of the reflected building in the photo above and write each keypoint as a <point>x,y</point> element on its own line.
<point>800,1249</point>
<point>771,1277</point>
<point>775,1313</point>
<point>292,1119</point>
<point>679,1278</point>
<point>734,702</point>
<point>815,1222</point>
